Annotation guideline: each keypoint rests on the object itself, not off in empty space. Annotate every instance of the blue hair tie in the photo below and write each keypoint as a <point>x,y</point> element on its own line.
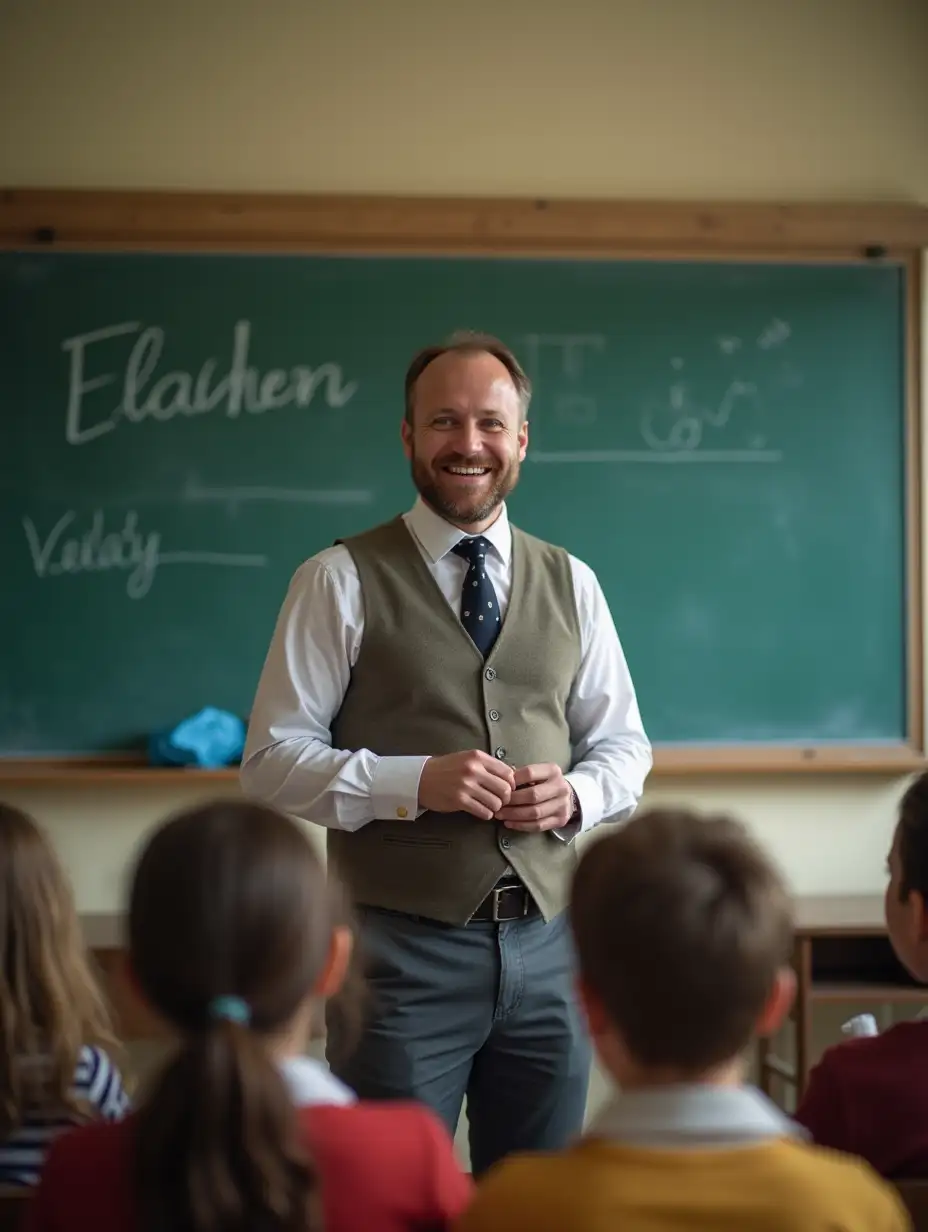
<point>230,1009</point>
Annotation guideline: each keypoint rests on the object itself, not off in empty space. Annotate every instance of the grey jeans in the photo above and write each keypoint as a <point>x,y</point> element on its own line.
<point>487,1011</point>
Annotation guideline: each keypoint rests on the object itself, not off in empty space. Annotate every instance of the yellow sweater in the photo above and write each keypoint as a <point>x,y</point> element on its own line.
<point>597,1186</point>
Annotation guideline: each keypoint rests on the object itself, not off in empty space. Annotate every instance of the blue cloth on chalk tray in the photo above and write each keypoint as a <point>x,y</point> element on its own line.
<point>209,739</point>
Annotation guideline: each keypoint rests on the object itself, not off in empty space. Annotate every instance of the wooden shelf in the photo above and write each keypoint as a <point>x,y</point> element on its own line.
<point>684,760</point>
<point>136,774</point>
<point>103,930</point>
<point>680,761</point>
<point>888,993</point>
<point>841,915</point>
<point>84,218</point>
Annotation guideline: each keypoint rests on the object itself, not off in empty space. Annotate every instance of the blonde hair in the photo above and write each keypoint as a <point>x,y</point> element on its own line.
<point>50,1005</point>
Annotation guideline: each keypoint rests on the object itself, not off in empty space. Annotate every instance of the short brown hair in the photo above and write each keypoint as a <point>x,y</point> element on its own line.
<point>229,901</point>
<point>468,342</point>
<point>681,925</point>
<point>912,839</point>
<point>50,1004</point>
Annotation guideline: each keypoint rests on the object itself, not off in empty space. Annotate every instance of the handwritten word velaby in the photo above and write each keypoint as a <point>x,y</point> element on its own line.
<point>66,549</point>
<point>146,394</point>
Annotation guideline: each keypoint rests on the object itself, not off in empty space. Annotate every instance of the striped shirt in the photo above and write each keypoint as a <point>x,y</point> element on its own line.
<point>97,1084</point>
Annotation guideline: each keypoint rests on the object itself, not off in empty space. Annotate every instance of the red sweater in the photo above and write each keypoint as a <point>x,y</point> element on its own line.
<point>869,1097</point>
<point>383,1168</point>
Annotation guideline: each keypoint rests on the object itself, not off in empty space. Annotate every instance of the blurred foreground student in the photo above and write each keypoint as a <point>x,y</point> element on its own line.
<point>869,1096</point>
<point>683,933</point>
<point>235,937</point>
<point>55,1071</point>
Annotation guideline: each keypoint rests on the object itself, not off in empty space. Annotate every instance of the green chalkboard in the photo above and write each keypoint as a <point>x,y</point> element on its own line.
<point>722,442</point>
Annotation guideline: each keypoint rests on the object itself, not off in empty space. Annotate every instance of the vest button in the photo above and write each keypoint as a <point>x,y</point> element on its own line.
<point>490,673</point>
<point>494,715</point>
<point>505,843</point>
<point>500,753</point>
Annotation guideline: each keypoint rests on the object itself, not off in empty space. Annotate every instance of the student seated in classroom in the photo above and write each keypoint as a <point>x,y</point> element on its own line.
<point>683,935</point>
<point>55,1070</point>
<point>869,1095</point>
<point>236,938</point>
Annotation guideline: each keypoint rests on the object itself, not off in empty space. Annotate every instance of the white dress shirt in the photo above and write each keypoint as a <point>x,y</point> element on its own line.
<point>289,760</point>
<point>691,1115</point>
<point>310,1083</point>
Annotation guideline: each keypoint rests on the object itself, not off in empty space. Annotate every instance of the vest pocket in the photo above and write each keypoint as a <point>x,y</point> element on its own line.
<point>415,840</point>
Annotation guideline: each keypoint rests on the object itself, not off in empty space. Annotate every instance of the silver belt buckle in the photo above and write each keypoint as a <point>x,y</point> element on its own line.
<point>498,892</point>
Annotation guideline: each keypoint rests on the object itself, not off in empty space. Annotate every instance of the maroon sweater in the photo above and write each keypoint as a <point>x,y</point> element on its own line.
<point>382,1167</point>
<point>869,1097</point>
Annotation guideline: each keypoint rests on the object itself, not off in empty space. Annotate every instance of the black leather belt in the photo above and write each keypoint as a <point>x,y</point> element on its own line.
<point>507,901</point>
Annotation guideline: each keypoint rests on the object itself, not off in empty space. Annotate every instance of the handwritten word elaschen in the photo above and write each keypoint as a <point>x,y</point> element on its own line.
<point>146,394</point>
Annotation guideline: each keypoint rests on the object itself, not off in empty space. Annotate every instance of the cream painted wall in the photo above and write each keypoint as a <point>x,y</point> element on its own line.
<point>674,98</point>
<point>811,98</point>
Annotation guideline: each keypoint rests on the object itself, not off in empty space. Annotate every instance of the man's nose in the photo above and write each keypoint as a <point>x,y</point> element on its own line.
<point>469,439</point>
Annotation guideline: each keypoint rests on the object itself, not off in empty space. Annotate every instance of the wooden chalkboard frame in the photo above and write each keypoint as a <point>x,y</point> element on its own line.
<point>805,231</point>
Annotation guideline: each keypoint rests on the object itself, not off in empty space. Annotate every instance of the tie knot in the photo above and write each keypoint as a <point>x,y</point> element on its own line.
<point>472,550</point>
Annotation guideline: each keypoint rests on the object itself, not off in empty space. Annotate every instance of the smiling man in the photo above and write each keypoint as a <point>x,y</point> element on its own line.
<point>448,695</point>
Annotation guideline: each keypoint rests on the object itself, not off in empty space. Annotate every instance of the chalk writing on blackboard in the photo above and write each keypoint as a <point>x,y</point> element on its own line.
<point>774,335</point>
<point>679,423</point>
<point>196,492</point>
<point>65,549</point>
<point>572,406</point>
<point>683,422</point>
<point>145,393</point>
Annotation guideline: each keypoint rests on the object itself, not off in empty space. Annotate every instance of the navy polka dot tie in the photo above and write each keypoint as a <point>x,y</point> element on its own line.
<point>479,606</point>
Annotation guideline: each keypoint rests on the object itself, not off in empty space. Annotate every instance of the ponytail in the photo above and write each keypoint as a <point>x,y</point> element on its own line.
<point>231,930</point>
<point>218,1145</point>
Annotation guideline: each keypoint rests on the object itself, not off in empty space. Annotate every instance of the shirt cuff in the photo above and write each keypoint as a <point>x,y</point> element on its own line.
<point>568,833</point>
<point>590,799</point>
<point>395,788</point>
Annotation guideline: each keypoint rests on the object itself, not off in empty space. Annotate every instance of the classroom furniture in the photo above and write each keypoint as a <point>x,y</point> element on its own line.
<point>104,937</point>
<point>13,1206</point>
<point>204,390</point>
<point>914,1195</point>
<point>842,956</point>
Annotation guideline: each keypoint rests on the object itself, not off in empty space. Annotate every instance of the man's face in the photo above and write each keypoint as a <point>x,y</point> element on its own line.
<point>467,439</point>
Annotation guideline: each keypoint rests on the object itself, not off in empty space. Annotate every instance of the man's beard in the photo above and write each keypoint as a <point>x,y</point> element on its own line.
<point>465,509</point>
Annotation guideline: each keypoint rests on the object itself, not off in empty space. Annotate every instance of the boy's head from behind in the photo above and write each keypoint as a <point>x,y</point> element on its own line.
<point>684,934</point>
<point>907,891</point>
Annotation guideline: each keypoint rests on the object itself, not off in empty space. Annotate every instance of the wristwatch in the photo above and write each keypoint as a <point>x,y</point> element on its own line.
<point>575,811</point>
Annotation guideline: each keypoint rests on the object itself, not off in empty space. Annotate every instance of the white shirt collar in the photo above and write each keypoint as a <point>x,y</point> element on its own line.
<point>438,537</point>
<point>692,1116</point>
<point>310,1082</point>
